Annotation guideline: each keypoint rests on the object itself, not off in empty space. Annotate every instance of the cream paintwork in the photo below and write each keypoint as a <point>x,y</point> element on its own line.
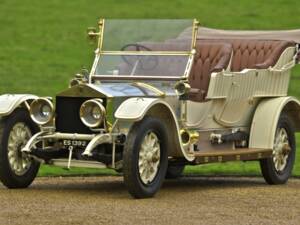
<point>265,121</point>
<point>233,96</point>
<point>134,109</point>
<point>232,101</point>
<point>197,113</point>
<point>262,82</point>
<point>8,103</point>
<point>243,88</point>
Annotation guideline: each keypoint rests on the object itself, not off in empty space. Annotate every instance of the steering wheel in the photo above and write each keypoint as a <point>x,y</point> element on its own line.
<point>146,62</point>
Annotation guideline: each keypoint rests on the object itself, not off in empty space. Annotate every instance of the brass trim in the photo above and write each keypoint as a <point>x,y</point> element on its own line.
<point>194,33</point>
<point>101,32</point>
<point>93,70</point>
<point>119,77</point>
<point>191,138</point>
<point>150,87</point>
<point>189,64</point>
<point>156,53</point>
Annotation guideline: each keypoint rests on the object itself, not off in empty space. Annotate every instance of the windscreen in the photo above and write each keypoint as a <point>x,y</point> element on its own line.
<point>142,65</point>
<point>144,48</point>
<point>119,34</point>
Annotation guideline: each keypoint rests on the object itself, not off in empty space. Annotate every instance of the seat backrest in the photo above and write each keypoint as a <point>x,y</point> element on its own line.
<point>210,57</point>
<point>255,54</point>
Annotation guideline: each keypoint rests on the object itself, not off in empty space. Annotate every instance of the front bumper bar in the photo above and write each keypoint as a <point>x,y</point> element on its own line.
<point>95,140</point>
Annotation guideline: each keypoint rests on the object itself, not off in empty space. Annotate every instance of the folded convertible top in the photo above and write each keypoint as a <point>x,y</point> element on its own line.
<point>210,33</point>
<point>288,35</point>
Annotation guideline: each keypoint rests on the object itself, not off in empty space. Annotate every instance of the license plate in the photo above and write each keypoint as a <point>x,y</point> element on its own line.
<point>75,143</point>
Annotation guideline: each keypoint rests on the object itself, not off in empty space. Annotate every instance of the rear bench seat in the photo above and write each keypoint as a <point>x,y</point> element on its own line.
<point>257,54</point>
<point>254,54</point>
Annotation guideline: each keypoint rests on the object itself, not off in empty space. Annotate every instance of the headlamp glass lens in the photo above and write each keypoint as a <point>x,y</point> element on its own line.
<point>96,113</point>
<point>45,110</point>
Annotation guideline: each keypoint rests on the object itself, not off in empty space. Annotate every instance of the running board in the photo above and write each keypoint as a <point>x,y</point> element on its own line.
<point>238,154</point>
<point>78,163</point>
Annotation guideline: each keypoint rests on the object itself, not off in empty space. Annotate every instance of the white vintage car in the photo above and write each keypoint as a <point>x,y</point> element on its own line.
<point>160,96</point>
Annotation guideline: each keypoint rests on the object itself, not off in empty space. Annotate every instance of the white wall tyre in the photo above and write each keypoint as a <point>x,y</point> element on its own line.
<point>278,168</point>
<point>145,158</point>
<point>17,169</point>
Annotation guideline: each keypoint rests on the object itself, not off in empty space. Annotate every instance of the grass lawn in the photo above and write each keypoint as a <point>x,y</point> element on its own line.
<point>60,171</point>
<point>43,43</point>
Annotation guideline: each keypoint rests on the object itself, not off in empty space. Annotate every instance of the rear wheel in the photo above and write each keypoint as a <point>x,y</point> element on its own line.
<point>17,169</point>
<point>145,158</point>
<point>278,168</point>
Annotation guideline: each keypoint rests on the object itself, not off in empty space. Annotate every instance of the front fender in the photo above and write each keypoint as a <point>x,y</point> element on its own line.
<point>134,109</point>
<point>266,117</point>
<point>8,103</point>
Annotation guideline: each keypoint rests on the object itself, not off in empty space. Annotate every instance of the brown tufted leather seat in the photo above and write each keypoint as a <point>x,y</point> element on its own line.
<point>210,57</point>
<point>255,54</point>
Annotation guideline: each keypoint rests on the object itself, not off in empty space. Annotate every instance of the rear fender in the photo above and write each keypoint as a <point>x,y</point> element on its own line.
<point>266,117</point>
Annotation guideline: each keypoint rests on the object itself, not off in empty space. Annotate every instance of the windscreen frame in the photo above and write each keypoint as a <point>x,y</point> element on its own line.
<point>100,52</point>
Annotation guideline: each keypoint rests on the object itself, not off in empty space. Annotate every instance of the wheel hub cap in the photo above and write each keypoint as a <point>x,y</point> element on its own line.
<point>281,149</point>
<point>149,157</point>
<point>18,137</point>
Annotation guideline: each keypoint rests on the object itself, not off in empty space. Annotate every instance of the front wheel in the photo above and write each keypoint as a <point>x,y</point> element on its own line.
<point>145,158</point>
<point>278,168</point>
<point>17,169</point>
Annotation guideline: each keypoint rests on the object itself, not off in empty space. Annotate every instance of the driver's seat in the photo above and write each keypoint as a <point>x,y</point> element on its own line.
<point>210,57</point>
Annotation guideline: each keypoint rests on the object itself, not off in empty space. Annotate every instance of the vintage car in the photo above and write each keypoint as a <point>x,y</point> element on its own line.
<point>160,96</point>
